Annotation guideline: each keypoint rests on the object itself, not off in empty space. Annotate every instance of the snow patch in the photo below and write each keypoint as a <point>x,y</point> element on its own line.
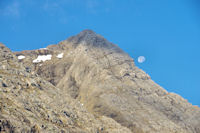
<point>20,57</point>
<point>42,48</point>
<point>60,55</point>
<point>43,58</point>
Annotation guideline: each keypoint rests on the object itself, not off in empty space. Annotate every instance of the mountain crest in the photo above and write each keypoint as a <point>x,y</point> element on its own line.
<point>90,38</point>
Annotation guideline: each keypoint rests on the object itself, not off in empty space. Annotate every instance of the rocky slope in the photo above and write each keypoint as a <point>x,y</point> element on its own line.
<point>107,84</point>
<point>30,104</point>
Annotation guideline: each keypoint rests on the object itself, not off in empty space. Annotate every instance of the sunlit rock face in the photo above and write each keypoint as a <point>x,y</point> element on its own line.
<point>30,104</point>
<point>106,82</point>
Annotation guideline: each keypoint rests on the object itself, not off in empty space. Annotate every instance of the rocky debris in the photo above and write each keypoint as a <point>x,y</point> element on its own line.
<point>29,103</point>
<point>107,82</point>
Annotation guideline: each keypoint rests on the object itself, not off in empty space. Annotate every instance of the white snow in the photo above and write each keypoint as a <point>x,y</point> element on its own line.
<point>42,48</point>
<point>60,55</point>
<point>43,58</point>
<point>20,57</point>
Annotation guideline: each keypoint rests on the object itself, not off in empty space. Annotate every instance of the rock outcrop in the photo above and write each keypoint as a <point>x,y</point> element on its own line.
<point>106,82</point>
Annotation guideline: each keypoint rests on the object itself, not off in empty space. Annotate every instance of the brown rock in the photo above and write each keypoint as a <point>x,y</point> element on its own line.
<point>29,103</point>
<point>106,81</point>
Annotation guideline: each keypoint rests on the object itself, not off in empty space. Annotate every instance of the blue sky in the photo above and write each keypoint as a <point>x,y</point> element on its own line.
<point>166,32</point>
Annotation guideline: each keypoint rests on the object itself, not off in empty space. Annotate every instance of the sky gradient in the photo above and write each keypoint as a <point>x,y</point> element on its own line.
<point>167,33</point>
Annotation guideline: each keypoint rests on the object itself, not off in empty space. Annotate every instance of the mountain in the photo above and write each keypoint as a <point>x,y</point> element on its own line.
<point>98,83</point>
<point>30,104</point>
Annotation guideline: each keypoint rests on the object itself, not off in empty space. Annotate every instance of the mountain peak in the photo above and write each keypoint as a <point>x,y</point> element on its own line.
<point>90,38</point>
<point>87,31</point>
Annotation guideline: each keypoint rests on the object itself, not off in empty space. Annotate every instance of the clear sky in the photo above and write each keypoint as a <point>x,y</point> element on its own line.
<point>166,32</point>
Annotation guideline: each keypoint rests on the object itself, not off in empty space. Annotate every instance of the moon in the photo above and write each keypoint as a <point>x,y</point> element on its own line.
<point>141,59</point>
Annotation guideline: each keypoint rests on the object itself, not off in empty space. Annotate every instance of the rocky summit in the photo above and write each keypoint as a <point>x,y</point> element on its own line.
<point>86,84</point>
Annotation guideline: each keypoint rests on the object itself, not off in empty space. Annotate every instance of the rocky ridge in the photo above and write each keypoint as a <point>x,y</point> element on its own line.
<point>106,82</point>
